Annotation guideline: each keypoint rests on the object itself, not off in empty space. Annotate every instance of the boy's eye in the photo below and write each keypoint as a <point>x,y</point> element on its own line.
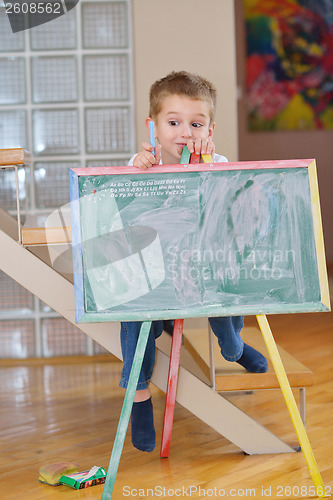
<point>196,125</point>
<point>173,123</point>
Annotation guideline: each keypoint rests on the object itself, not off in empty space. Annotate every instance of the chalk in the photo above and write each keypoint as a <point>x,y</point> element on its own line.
<point>195,158</point>
<point>185,157</point>
<point>207,158</point>
<point>152,136</point>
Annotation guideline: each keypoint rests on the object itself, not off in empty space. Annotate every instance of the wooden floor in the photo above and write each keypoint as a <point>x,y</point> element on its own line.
<point>52,413</point>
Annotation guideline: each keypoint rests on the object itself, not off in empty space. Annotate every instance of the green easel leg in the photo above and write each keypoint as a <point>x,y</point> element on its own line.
<point>126,411</point>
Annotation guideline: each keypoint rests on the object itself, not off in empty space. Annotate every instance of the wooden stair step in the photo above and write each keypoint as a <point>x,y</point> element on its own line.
<point>232,376</point>
<point>46,236</point>
<point>13,156</point>
<point>48,230</point>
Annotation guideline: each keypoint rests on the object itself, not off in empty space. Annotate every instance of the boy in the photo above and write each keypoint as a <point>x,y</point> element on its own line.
<point>182,106</point>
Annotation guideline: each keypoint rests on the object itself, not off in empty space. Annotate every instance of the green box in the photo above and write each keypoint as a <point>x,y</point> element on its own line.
<point>80,480</point>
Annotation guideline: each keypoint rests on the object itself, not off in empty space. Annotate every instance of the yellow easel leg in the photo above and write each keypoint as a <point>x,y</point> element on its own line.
<point>291,405</point>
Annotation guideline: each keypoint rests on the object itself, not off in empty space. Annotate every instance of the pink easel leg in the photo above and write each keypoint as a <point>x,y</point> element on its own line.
<point>171,386</point>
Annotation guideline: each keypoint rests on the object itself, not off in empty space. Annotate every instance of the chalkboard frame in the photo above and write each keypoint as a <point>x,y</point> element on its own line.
<point>83,315</point>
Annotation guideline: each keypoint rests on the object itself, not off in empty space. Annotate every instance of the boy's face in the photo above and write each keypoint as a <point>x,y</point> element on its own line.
<point>180,120</point>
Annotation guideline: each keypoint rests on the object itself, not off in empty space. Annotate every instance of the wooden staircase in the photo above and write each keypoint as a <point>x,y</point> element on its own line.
<point>232,376</point>
<point>34,270</point>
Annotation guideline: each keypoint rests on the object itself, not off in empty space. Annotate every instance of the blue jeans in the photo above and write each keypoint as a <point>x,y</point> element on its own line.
<point>227,330</point>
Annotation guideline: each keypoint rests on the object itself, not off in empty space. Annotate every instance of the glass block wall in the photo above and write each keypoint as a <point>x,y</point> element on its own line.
<point>66,95</point>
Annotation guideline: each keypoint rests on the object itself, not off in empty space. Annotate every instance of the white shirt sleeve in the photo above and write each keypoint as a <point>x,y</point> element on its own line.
<point>219,158</point>
<point>130,163</point>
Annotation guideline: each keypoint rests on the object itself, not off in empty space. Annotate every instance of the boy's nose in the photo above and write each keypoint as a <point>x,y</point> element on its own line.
<point>186,131</point>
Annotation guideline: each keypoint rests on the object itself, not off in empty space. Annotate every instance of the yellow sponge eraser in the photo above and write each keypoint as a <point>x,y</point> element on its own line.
<point>51,473</point>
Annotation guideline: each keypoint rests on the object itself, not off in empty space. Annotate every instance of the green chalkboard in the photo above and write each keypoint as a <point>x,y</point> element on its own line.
<point>190,241</point>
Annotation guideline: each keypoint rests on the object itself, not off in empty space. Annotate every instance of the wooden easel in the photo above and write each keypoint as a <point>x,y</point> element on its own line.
<point>172,387</point>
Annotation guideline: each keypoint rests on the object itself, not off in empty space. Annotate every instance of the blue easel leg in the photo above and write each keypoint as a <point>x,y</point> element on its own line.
<point>126,411</point>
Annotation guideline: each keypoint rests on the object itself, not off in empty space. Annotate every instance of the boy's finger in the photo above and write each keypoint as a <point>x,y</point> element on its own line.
<point>150,160</point>
<point>210,147</point>
<point>147,146</point>
<point>158,149</point>
<point>144,159</point>
<point>190,146</point>
<point>204,146</point>
<point>197,146</point>
<point>141,163</point>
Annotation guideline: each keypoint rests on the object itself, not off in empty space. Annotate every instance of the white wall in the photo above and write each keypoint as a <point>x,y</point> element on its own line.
<point>192,35</point>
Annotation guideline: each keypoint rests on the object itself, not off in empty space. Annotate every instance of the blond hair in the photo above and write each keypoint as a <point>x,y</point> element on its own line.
<point>184,84</point>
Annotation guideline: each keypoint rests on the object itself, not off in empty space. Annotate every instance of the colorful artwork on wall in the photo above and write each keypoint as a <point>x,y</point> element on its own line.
<point>289,65</point>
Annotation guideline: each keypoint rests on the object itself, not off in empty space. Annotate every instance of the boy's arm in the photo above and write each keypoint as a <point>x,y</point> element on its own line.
<point>145,158</point>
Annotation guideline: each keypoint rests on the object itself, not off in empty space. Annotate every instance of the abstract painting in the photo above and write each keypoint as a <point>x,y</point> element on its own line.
<point>289,64</point>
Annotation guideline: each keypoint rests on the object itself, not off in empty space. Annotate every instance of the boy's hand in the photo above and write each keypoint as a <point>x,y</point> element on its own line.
<point>201,146</point>
<point>146,159</point>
